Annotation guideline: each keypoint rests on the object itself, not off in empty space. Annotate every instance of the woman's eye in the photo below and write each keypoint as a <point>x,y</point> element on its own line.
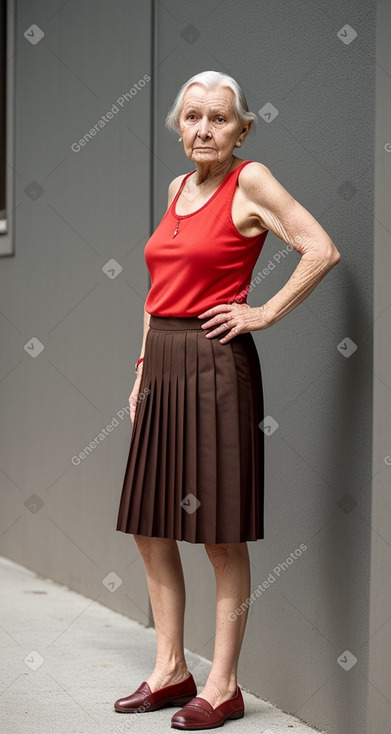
<point>220,119</point>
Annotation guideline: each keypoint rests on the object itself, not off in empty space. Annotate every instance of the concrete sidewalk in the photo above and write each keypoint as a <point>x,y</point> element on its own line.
<point>65,659</point>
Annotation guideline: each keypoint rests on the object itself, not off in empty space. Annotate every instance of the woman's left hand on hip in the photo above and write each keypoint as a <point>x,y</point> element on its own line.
<point>237,318</point>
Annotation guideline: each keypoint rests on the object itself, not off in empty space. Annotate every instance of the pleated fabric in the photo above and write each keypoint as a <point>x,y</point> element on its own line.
<point>195,470</point>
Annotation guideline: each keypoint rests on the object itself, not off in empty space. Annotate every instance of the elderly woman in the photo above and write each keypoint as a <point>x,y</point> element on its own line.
<point>196,460</point>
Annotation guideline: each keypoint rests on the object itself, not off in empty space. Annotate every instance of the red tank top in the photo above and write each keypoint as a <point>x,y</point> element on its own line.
<point>200,260</point>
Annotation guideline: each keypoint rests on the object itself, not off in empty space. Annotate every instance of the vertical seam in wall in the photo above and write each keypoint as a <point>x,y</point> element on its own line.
<point>152,158</point>
<point>13,5</point>
<point>153,103</point>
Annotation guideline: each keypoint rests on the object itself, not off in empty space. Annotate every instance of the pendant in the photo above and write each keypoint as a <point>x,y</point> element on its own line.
<point>176,230</point>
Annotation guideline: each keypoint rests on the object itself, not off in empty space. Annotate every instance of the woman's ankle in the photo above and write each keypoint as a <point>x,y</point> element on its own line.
<point>222,683</point>
<point>168,674</point>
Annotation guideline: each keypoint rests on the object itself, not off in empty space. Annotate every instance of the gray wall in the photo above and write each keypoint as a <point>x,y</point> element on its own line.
<point>94,207</point>
<point>379,639</point>
<point>101,203</point>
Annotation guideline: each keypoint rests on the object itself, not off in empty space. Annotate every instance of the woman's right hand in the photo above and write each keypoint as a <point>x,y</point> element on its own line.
<point>133,397</point>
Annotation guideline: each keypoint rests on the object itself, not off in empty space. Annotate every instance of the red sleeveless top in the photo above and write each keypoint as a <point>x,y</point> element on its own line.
<point>200,260</point>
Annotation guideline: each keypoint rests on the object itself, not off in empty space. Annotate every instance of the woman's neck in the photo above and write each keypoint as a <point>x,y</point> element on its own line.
<point>208,174</point>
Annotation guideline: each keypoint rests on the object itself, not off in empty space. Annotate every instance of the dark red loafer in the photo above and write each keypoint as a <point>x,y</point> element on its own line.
<point>199,714</point>
<point>144,699</point>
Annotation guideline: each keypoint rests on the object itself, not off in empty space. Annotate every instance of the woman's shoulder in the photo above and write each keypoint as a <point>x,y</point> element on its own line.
<point>175,185</point>
<point>254,172</point>
<point>254,178</point>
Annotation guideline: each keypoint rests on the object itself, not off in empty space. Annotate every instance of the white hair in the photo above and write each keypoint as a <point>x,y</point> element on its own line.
<point>210,79</point>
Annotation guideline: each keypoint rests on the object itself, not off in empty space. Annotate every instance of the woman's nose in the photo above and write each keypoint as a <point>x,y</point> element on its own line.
<point>203,128</point>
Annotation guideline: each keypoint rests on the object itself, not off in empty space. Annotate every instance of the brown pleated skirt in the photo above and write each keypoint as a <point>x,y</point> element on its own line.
<point>195,469</point>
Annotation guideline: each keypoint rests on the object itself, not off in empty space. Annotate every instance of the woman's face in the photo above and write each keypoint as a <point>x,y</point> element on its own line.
<point>208,124</point>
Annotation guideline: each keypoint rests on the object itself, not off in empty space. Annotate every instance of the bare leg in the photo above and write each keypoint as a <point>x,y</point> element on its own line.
<point>167,594</point>
<point>232,571</point>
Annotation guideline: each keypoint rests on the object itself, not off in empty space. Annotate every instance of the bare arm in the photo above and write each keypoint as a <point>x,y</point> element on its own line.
<point>172,189</point>
<point>133,397</point>
<point>145,331</point>
<point>276,210</point>
<point>280,213</point>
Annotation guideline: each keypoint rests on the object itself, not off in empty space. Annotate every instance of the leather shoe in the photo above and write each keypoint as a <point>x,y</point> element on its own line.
<point>144,699</point>
<point>199,714</point>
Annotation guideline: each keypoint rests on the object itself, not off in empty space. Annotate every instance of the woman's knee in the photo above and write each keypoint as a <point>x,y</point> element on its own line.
<point>220,553</point>
<point>151,545</point>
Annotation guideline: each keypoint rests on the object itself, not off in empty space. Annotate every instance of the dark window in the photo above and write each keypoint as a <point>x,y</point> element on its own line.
<point>3,110</point>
